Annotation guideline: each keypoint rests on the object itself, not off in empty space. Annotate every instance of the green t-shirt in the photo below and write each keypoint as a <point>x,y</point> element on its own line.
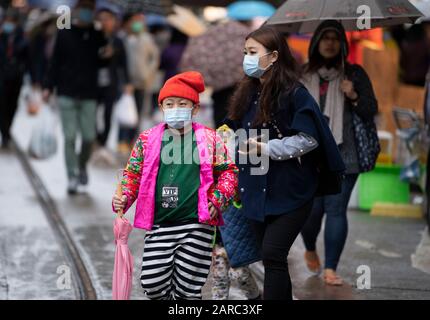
<point>178,179</point>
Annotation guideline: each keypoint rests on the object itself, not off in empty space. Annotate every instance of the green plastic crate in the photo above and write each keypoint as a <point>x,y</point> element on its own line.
<point>382,185</point>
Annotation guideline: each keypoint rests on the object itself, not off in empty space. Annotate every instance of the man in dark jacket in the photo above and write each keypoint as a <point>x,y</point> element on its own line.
<point>114,78</point>
<point>79,52</point>
<point>13,64</point>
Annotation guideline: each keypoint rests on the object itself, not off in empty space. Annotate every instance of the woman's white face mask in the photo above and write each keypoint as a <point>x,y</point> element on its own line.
<point>251,65</point>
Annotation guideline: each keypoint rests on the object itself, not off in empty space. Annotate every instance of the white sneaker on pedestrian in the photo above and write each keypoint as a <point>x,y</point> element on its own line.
<point>72,187</point>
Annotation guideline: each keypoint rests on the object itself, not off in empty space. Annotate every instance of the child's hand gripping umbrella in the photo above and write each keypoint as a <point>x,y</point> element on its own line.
<point>123,268</point>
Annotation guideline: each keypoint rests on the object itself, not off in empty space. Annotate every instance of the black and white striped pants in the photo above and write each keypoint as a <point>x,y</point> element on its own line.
<point>176,261</point>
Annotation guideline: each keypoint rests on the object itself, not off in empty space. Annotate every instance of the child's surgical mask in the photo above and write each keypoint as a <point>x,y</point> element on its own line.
<point>178,118</point>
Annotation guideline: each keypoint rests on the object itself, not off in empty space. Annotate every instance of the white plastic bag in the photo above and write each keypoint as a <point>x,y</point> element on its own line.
<point>43,142</point>
<point>126,111</point>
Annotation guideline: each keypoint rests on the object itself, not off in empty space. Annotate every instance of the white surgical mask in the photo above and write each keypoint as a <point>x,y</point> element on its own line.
<point>251,65</point>
<point>178,118</point>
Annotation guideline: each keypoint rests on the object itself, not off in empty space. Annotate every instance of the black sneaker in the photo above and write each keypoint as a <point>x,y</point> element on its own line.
<point>5,145</point>
<point>83,177</point>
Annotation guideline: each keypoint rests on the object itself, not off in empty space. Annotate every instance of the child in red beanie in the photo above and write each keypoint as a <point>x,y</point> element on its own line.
<point>182,177</point>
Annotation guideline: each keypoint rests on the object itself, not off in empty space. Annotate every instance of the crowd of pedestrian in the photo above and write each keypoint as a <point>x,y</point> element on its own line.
<point>313,123</point>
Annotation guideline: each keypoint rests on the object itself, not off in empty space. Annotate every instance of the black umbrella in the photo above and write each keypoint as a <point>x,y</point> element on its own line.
<point>302,16</point>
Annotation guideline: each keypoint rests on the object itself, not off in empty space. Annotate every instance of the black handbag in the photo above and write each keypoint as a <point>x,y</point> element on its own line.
<point>367,142</point>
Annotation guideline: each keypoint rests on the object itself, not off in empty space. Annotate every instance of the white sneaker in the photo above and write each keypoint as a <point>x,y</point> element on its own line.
<point>72,187</point>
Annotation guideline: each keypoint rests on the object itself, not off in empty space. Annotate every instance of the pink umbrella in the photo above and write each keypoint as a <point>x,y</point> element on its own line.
<point>123,268</point>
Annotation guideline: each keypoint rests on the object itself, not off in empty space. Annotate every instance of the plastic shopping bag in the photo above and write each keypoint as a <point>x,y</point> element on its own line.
<point>43,142</point>
<point>126,111</point>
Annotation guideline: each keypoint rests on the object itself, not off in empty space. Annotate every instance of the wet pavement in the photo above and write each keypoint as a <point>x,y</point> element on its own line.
<point>396,250</point>
<point>29,254</point>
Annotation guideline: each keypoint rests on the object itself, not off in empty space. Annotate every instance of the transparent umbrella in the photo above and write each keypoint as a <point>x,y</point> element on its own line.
<point>303,16</point>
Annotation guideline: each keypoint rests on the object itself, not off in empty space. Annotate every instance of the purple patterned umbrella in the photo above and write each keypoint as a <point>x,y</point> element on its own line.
<point>162,7</point>
<point>217,54</point>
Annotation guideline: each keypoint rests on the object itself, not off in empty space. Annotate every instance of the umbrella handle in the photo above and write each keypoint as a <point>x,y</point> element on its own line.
<point>120,212</point>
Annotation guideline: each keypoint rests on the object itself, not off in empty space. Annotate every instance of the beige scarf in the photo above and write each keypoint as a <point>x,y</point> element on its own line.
<point>334,104</point>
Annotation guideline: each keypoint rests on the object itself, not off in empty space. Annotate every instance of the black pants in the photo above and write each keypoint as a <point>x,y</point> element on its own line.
<point>8,105</point>
<point>107,99</point>
<point>277,234</point>
<point>128,135</point>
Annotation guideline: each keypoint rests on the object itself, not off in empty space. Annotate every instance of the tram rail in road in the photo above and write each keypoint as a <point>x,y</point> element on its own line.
<point>83,284</point>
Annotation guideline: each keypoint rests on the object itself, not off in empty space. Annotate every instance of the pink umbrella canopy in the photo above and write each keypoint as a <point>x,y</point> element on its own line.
<point>123,267</point>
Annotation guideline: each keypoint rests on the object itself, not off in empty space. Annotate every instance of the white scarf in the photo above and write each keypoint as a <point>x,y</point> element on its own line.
<point>335,100</point>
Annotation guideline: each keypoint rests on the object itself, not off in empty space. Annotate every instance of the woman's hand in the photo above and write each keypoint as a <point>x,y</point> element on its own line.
<point>107,51</point>
<point>119,203</point>
<point>213,211</point>
<point>254,146</point>
<point>347,88</point>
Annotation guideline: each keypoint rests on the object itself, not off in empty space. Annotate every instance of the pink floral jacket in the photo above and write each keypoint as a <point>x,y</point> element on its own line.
<point>218,175</point>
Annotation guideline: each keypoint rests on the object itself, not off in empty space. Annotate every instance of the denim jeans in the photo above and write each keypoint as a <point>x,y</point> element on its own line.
<point>77,117</point>
<point>336,224</point>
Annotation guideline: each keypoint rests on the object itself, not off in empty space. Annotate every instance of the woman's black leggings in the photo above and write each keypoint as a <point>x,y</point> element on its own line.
<point>277,234</point>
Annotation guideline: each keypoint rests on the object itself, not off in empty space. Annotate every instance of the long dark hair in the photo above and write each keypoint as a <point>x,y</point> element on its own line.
<point>282,77</point>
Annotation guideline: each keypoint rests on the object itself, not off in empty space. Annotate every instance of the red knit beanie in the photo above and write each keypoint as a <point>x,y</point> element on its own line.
<point>186,85</point>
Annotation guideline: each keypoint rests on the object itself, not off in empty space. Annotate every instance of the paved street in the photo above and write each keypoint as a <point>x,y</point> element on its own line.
<point>29,253</point>
<point>397,251</point>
